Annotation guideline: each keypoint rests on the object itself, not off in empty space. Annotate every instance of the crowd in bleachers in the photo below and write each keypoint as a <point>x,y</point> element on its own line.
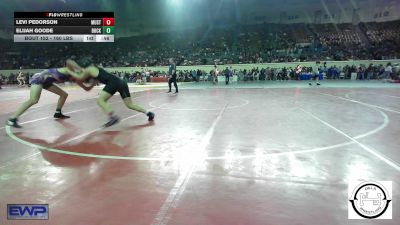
<point>261,43</point>
<point>378,32</point>
<point>384,37</point>
<point>342,34</point>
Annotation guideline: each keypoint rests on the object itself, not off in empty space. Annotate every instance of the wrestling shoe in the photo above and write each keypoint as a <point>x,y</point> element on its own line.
<point>113,120</point>
<point>13,123</point>
<point>151,116</point>
<point>59,115</point>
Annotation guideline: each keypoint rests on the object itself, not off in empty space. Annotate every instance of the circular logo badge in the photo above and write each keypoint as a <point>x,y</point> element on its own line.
<point>370,200</point>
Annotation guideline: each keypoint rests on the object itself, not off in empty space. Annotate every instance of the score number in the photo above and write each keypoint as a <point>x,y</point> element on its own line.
<point>108,25</point>
<point>108,21</point>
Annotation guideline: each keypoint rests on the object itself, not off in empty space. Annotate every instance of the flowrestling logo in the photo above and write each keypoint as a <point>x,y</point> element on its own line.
<point>370,200</point>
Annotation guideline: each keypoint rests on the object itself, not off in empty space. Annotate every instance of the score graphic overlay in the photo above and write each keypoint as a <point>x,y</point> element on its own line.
<point>64,26</point>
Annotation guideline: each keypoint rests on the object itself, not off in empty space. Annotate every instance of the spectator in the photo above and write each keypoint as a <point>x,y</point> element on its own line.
<point>388,71</point>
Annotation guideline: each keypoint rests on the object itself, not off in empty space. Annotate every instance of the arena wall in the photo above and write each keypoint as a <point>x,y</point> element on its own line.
<point>208,68</point>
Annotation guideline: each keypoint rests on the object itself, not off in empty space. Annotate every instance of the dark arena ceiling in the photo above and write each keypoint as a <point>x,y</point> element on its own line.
<point>135,17</point>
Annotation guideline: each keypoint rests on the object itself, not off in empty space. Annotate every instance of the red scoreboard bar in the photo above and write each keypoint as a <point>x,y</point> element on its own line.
<point>108,21</point>
<point>64,26</point>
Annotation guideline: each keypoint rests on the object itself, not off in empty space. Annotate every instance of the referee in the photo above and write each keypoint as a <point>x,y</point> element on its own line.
<point>172,75</point>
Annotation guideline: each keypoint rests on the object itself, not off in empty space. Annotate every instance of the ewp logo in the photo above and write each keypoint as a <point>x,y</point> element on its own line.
<point>28,212</point>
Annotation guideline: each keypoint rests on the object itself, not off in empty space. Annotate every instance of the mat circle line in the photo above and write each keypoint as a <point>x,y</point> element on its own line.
<point>44,148</point>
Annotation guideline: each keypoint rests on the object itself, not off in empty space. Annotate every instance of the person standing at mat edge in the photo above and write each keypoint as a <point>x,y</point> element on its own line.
<point>228,74</point>
<point>172,75</point>
<point>214,74</point>
<point>316,76</point>
<point>21,78</point>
